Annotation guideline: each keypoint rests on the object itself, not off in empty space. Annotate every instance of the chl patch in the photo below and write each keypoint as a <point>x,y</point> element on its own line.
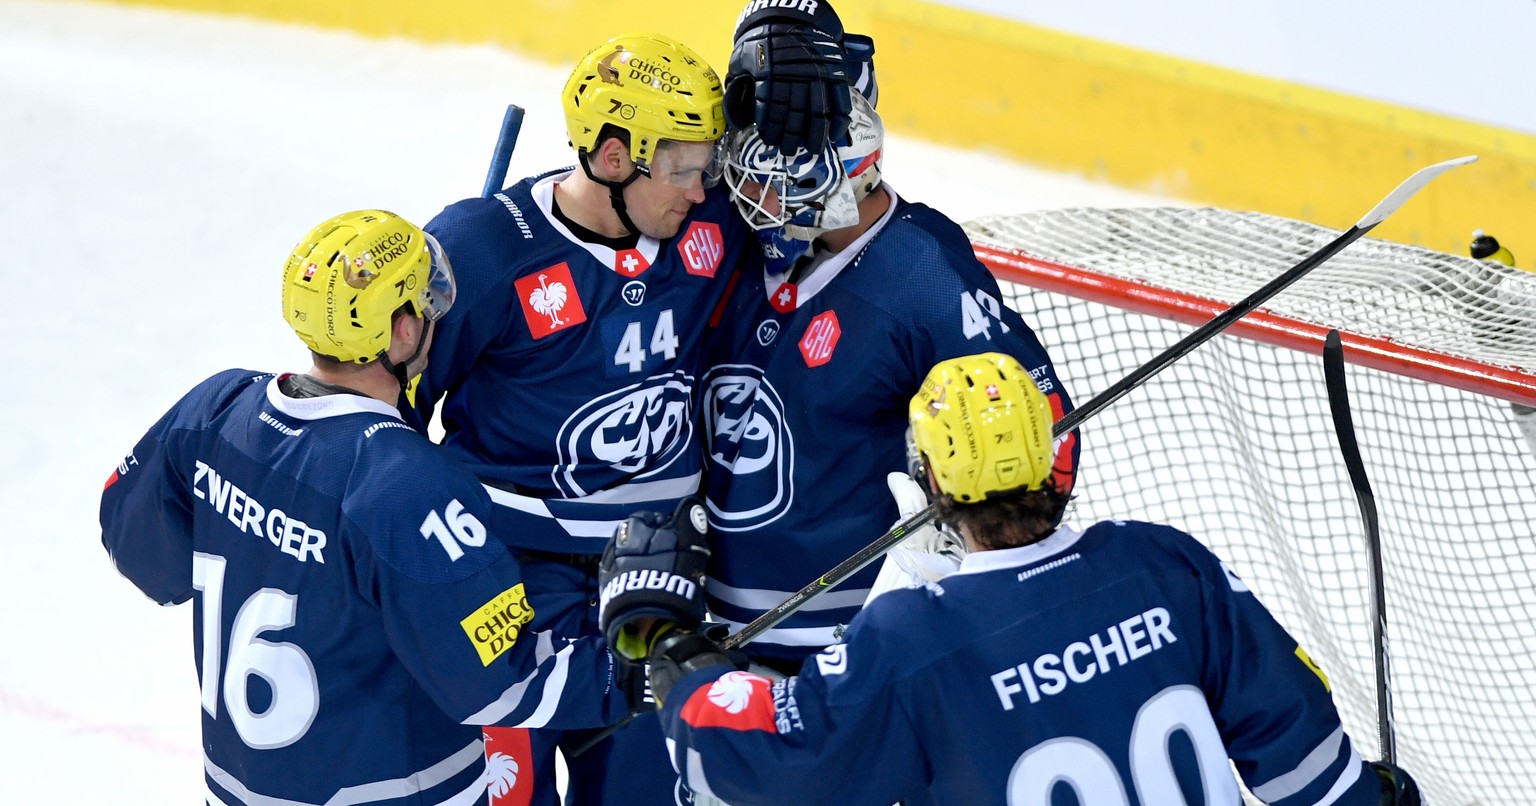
<point>494,626</point>
<point>550,301</point>
<point>820,339</point>
<point>701,248</point>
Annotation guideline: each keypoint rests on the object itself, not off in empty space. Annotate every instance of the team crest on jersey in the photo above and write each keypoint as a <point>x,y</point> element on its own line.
<point>737,700</point>
<point>748,439</point>
<point>550,301</point>
<point>701,248</point>
<point>820,339</point>
<point>630,262</point>
<point>633,293</point>
<point>636,431</point>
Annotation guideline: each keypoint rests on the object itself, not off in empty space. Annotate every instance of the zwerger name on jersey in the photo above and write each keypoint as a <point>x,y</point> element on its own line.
<point>290,535</point>
<point>1121,643</point>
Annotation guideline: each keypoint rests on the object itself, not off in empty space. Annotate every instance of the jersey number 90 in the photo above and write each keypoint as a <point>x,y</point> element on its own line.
<point>1082,765</point>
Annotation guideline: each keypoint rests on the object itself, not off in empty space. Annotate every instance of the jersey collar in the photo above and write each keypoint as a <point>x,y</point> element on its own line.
<point>826,266</point>
<point>977,562</point>
<point>543,192</point>
<point>326,406</point>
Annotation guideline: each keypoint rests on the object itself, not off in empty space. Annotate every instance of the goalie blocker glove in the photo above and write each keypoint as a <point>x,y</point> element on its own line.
<point>789,74</point>
<point>653,569</point>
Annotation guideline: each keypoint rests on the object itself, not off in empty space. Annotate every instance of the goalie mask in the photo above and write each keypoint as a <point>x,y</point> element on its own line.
<point>804,194</point>
<point>980,425</point>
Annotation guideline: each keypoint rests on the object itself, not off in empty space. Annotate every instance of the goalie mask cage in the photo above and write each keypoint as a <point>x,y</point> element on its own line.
<point>1234,443</point>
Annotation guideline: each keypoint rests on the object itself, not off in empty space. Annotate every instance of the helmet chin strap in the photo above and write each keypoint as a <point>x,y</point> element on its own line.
<point>615,191</point>
<point>399,370</point>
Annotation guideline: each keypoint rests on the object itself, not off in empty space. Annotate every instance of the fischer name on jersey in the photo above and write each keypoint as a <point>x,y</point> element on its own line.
<point>354,622</point>
<point>805,409</point>
<point>567,369</point>
<point>1123,665</point>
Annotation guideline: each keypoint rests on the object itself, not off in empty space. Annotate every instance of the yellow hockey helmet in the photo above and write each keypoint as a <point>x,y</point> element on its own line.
<point>980,425</point>
<point>346,278</point>
<point>651,86</point>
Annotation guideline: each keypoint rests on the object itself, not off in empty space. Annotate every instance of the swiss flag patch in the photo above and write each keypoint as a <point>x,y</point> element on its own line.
<point>820,339</point>
<point>701,248</point>
<point>630,263</point>
<point>738,701</point>
<point>784,297</point>
<point>509,766</point>
<point>550,301</point>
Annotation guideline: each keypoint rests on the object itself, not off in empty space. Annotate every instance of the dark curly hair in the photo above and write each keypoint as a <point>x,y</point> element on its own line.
<point>1006,519</point>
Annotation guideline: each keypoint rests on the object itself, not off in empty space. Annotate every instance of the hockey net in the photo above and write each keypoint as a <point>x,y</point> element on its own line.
<point>1234,444</point>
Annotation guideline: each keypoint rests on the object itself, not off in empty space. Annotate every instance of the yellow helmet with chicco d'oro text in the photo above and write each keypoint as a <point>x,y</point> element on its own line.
<point>651,86</point>
<point>344,281</point>
<point>980,425</point>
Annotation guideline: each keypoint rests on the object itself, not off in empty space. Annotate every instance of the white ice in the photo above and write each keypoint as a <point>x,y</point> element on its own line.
<point>155,168</point>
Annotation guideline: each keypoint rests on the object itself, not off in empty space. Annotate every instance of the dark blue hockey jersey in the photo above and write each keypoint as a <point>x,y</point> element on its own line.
<point>569,369</point>
<point>354,622</point>
<point>805,409</point>
<point>1125,662</point>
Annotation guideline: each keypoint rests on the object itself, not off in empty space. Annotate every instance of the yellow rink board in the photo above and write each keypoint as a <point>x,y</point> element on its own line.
<point>1120,115</point>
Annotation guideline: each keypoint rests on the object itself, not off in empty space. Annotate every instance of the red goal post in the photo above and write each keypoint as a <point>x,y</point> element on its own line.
<point>1234,444</point>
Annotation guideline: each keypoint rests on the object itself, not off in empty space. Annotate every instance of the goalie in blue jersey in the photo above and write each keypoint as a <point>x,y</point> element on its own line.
<point>355,621</point>
<point>812,364</point>
<point>1118,664</point>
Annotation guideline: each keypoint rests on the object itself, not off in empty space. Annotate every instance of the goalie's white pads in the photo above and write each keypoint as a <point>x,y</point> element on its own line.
<point>927,555</point>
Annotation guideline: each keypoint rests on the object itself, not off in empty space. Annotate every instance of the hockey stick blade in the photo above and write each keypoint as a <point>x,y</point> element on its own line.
<point>1344,426</point>
<point>506,141</point>
<point>1077,416</point>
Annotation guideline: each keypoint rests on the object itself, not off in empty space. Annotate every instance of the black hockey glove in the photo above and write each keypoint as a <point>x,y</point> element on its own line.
<point>1397,787</point>
<point>652,578</point>
<point>789,75</point>
<point>680,652</point>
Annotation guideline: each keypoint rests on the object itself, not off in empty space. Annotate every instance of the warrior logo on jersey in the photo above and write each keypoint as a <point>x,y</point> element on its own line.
<point>634,292</point>
<point>638,431</point>
<point>767,331</point>
<point>701,248</point>
<point>749,439</point>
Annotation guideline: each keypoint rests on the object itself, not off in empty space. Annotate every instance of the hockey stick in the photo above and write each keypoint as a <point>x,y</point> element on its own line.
<point>511,124</point>
<point>1073,419</point>
<point>1343,425</point>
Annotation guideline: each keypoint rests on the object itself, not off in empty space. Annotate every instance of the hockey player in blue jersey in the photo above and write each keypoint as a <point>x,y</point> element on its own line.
<point>355,623</point>
<point>813,361</point>
<point>566,374</point>
<point>1120,664</point>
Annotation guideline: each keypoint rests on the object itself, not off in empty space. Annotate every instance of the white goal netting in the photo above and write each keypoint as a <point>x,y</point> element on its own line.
<point>1234,444</point>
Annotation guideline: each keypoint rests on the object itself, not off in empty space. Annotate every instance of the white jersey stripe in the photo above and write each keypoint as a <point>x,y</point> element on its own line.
<point>1315,764</point>
<point>472,753</point>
